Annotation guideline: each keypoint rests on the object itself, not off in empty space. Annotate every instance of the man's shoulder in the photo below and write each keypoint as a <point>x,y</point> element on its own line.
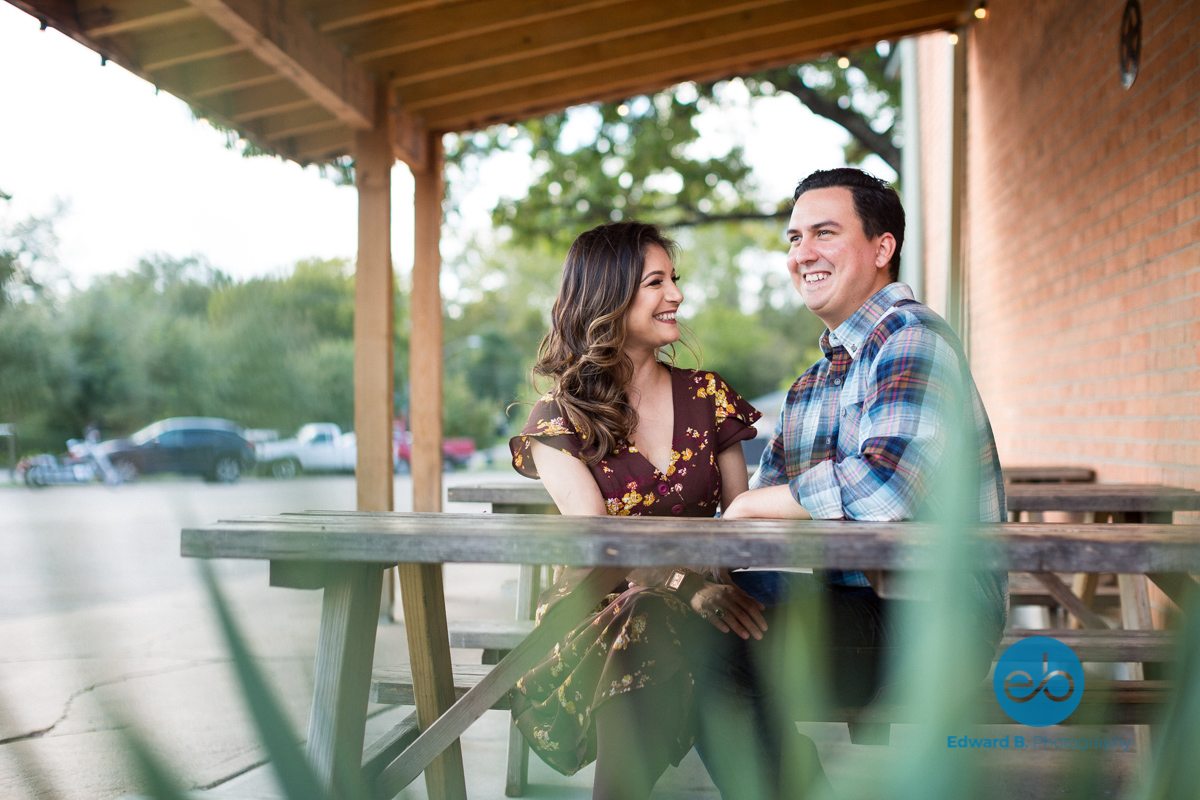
<point>915,322</point>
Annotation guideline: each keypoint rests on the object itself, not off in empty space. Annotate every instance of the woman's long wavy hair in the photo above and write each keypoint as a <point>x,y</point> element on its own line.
<point>584,353</point>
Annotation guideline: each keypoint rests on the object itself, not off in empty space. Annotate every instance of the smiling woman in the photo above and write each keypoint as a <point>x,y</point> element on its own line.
<point>624,434</point>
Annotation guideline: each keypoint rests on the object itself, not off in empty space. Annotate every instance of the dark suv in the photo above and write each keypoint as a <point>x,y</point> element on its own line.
<point>214,448</point>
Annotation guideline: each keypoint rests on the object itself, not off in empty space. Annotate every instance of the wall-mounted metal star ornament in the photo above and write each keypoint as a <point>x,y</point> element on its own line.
<point>1131,42</point>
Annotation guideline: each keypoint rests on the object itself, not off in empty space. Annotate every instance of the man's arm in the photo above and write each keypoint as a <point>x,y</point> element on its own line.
<point>771,502</point>
<point>913,409</point>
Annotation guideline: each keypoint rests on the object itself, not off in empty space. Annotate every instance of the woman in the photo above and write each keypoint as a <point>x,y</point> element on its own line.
<point>623,433</point>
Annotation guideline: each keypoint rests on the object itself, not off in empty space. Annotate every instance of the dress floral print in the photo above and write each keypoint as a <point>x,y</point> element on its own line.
<point>635,637</point>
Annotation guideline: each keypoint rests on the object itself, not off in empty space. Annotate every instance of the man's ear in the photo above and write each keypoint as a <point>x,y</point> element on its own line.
<point>884,250</point>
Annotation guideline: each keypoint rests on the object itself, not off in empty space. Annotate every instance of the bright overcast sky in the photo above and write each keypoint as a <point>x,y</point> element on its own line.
<point>139,175</point>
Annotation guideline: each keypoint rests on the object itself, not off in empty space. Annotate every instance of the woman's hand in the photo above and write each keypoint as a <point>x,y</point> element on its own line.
<point>729,608</point>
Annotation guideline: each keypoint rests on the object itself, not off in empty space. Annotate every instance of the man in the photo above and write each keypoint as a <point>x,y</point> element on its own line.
<point>867,433</point>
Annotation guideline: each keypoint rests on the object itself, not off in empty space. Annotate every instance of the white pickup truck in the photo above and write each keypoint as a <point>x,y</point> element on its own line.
<point>316,447</point>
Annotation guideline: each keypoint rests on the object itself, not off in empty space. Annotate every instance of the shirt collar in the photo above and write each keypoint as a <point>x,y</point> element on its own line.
<point>858,326</point>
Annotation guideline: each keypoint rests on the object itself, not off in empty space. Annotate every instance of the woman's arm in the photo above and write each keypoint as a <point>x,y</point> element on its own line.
<point>568,480</point>
<point>734,480</point>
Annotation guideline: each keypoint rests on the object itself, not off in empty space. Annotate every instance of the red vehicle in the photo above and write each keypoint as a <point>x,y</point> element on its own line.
<point>456,452</point>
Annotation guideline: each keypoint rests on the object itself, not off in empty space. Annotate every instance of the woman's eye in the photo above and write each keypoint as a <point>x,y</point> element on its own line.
<point>675,278</point>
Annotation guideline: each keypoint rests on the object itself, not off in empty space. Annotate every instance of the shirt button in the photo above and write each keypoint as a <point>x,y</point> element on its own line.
<point>663,489</point>
<point>837,381</point>
<point>677,509</point>
<point>843,412</point>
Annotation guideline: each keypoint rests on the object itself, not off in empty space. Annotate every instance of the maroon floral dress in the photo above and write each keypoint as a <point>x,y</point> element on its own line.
<point>635,637</point>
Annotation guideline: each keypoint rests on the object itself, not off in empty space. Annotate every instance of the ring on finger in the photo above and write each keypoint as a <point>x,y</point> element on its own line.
<point>720,612</point>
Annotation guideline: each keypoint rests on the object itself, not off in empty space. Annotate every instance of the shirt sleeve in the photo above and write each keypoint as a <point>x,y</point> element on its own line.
<point>912,407</point>
<point>735,417</point>
<point>550,426</point>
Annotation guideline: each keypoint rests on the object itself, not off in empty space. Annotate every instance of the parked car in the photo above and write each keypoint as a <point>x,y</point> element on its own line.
<point>456,451</point>
<point>316,447</point>
<point>208,446</point>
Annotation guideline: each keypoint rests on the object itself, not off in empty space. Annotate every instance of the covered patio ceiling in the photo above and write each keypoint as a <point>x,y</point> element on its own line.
<point>298,77</point>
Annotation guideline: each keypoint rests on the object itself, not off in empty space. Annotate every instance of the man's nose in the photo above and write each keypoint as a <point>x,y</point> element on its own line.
<point>801,254</point>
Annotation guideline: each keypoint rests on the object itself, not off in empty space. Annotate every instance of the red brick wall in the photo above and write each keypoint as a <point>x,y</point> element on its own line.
<point>1084,237</point>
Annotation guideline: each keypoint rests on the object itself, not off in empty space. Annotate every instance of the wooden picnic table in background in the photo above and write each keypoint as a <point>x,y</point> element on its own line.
<point>1048,475</point>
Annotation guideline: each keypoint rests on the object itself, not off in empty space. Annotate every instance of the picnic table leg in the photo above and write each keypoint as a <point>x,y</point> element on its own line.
<point>424,602</point>
<point>1135,614</point>
<point>342,680</point>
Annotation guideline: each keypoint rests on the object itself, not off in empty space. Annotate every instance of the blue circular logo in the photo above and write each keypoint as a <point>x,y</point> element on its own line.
<point>1038,681</point>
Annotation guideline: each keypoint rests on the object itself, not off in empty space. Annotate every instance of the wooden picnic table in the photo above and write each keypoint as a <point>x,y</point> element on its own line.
<point>346,553</point>
<point>1048,475</point>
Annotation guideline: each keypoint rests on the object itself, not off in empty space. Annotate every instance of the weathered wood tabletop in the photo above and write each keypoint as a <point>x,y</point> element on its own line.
<point>390,537</point>
<point>352,548</point>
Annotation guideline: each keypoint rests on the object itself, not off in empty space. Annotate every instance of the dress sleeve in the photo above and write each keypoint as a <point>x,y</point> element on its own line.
<point>549,426</point>
<point>735,417</point>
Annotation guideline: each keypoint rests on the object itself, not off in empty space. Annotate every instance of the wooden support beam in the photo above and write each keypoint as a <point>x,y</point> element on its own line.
<point>349,13</point>
<point>182,44</point>
<point>321,146</point>
<point>295,49</point>
<point>99,18</point>
<point>1062,593</point>
<point>421,584</point>
<point>264,100</point>
<point>634,27</point>
<point>447,24</point>
<point>296,123</point>
<point>374,318</point>
<point>615,71</point>
<point>207,79</point>
<point>425,378</point>
<point>409,139</point>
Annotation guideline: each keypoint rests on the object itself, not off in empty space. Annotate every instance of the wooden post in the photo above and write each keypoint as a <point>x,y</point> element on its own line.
<point>350,606</point>
<point>374,319</point>
<point>956,293</point>
<point>425,401</point>
<point>421,588</point>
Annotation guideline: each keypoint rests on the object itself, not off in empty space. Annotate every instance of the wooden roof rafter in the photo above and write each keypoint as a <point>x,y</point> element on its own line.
<point>297,77</point>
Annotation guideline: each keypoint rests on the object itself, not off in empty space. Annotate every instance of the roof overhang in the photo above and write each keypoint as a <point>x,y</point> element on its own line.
<point>299,77</point>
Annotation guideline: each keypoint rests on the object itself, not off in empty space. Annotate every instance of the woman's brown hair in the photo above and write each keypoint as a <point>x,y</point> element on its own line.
<point>584,353</point>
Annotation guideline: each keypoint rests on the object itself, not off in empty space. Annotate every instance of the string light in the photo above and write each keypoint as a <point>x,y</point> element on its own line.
<point>980,12</point>
<point>952,38</point>
<point>843,62</point>
<point>622,109</point>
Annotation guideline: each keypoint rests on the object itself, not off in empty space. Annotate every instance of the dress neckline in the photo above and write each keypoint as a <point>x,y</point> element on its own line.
<point>673,372</point>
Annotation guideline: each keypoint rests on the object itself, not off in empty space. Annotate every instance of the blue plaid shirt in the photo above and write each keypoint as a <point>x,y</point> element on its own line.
<point>864,430</point>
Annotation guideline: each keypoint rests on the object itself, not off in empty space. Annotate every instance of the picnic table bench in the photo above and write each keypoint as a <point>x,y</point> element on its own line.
<point>346,552</point>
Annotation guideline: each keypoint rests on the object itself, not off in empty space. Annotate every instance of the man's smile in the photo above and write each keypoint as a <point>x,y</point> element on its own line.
<point>814,277</point>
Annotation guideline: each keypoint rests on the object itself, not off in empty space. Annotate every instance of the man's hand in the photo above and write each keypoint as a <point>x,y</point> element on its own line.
<point>772,502</point>
<point>729,608</point>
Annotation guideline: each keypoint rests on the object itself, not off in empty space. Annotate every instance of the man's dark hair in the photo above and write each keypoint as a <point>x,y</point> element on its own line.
<point>877,204</point>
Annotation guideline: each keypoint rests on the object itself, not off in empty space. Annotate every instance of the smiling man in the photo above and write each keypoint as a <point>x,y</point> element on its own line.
<point>866,433</point>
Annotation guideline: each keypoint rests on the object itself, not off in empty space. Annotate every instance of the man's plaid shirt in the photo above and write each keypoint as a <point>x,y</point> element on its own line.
<point>864,431</point>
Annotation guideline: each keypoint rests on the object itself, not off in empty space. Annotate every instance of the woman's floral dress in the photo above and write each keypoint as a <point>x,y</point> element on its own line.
<point>634,637</point>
